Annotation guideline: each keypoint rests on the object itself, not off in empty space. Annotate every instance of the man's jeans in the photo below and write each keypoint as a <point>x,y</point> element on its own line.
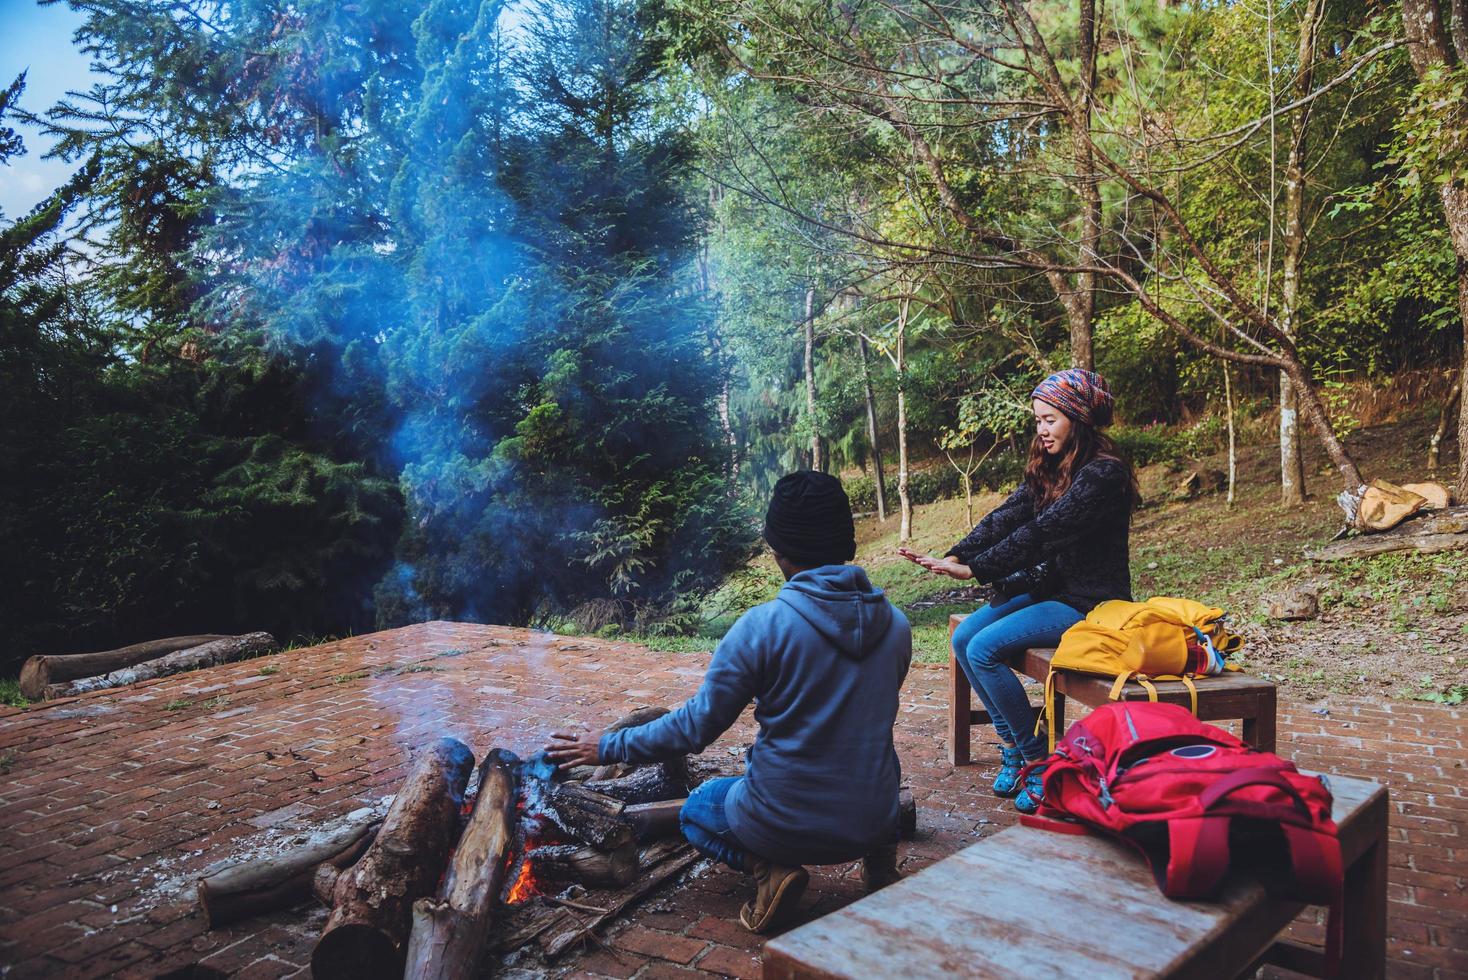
<point>987,642</point>
<point>705,826</point>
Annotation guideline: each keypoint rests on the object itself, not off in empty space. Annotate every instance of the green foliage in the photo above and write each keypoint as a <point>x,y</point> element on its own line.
<point>10,695</point>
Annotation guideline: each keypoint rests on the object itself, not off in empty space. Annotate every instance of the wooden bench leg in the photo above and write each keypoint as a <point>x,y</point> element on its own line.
<point>1259,731</point>
<point>960,713</point>
<point>1365,910</point>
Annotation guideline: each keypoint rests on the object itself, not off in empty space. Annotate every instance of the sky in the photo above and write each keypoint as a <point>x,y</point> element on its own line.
<point>37,40</point>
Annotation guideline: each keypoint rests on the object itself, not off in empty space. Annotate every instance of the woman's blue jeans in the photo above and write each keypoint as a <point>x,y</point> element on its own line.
<point>986,643</point>
<point>705,826</point>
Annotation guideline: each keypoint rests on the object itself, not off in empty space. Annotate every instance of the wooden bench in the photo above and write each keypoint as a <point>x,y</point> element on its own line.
<point>1031,903</point>
<point>1230,695</point>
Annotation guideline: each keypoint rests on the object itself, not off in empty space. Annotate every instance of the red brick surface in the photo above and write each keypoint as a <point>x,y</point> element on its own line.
<point>111,803</point>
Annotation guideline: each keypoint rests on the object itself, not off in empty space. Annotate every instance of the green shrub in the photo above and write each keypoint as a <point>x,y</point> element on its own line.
<point>924,487</point>
<point>1148,444</point>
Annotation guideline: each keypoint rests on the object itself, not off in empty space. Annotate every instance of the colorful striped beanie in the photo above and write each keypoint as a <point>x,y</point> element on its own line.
<point>1082,395</point>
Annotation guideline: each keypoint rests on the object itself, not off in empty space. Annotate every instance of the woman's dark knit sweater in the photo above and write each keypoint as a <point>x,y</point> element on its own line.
<point>1075,550</point>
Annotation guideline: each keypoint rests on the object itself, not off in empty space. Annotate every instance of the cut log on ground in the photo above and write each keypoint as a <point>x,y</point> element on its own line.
<point>281,880</point>
<point>586,865</point>
<point>646,784</point>
<point>586,815</point>
<point>42,671</point>
<point>451,932</point>
<point>372,902</point>
<point>210,654</point>
<point>654,821</point>
<point>1439,530</point>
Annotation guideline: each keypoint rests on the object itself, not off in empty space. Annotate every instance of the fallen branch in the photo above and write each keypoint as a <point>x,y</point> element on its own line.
<point>210,654</point>
<point>40,672</point>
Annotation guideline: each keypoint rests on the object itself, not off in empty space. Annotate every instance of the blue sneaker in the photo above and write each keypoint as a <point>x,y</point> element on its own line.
<point>1006,783</point>
<point>1028,800</point>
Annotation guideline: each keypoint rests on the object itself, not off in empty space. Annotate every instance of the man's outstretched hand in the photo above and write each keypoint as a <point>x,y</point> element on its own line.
<point>571,749</point>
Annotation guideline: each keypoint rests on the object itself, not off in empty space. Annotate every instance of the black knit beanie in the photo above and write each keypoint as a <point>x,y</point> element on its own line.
<point>809,520</point>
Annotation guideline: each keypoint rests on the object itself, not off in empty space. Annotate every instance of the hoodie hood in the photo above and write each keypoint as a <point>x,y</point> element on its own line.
<point>843,606</point>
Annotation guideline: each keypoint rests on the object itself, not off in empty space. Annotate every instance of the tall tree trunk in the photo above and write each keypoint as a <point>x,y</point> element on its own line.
<point>1080,305</point>
<point>1429,48</point>
<point>1291,458</point>
<point>866,381</point>
<point>1461,491</point>
<point>1233,449</point>
<point>1314,411</point>
<point>817,462</point>
<point>721,361</point>
<point>904,531</point>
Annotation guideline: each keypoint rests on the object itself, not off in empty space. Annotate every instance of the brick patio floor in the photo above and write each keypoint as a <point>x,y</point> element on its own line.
<point>111,803</point>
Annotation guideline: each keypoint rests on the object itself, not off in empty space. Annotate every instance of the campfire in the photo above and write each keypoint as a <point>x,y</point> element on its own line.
<point>449,877</point>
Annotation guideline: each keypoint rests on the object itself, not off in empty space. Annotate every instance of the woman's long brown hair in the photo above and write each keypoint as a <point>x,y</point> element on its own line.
<point>1050,475</point>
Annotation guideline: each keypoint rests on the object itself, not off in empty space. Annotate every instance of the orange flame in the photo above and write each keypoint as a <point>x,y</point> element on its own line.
<point>524,887</point>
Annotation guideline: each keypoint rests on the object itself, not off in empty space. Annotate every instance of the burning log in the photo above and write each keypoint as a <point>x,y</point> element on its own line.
<point>587,815</point>
<point>651,821</point>
<point>632,719</point>
<point>372,901</point>
<point>587,865</point>
<point>282,880</point>
<point>210,654</point>
<point>646,784</point>
<point>451,932</point>
<point>41,671</point>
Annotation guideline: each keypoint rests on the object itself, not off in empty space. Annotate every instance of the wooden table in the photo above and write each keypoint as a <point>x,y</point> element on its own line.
<point>1035,904</point>
<point>1231,695</point>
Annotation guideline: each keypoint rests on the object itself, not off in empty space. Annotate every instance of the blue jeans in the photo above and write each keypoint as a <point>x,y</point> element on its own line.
<point>988,641</point>
<point>705,826</point>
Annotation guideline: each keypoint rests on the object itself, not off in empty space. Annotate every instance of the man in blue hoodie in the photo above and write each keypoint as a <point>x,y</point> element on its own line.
<point>823,663</point>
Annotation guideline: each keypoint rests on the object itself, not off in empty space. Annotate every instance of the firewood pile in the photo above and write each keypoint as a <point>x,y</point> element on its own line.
<point>531,858</point>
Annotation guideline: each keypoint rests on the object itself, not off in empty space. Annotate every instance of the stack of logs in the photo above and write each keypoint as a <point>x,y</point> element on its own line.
<point>414,895</point>
<point>417,893</point>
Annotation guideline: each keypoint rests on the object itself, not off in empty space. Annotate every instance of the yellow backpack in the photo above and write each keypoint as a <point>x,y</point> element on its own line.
<point>1142,642</point>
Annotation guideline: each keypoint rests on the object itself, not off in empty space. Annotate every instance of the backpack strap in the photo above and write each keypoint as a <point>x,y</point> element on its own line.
<point>1257,776</point>
<point>1054,826</point>
<point>1315,860</point>
<point>1197,857</point>
<point>1187,680</point>
<point>1045,716</point>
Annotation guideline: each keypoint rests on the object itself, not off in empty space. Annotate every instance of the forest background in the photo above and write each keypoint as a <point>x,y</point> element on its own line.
<point>354,315</point>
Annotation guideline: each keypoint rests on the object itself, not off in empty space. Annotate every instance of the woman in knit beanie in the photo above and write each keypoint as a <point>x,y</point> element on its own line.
<point>1054,550</point>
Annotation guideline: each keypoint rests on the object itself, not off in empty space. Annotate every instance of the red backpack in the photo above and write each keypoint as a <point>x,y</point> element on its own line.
<point>1195,801</point>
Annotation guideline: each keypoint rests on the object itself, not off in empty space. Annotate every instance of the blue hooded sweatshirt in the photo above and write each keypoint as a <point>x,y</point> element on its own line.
<point>823,662</point>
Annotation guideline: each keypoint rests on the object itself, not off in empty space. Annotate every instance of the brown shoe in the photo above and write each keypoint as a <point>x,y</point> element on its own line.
<point>879,868</point>
<point>777,893</point>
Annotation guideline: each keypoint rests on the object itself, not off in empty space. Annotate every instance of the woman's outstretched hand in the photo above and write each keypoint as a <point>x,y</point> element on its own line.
<point>938,566</point>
